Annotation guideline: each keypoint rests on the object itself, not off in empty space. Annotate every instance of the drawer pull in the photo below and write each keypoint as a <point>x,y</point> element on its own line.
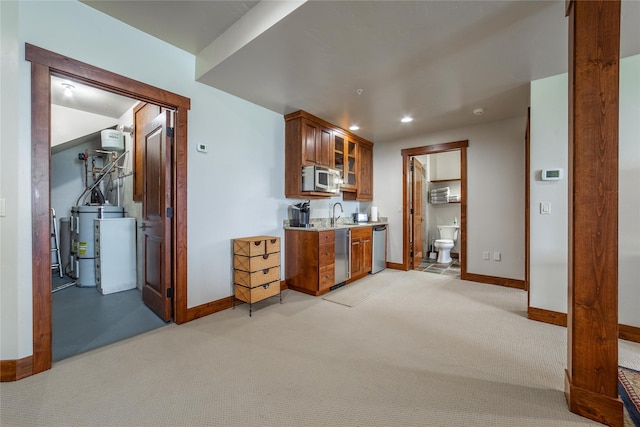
<point>265,256</point>
<point>257,242</point>
<point>273,240</point>
<point>265,271</point>
<point>266,286</point>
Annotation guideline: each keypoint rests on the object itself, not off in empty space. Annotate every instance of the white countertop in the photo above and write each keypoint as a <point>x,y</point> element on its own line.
<point>337,227</point>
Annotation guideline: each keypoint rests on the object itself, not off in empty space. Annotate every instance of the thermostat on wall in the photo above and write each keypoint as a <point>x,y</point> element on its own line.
<point>203,148</point>
<point>551,174</point>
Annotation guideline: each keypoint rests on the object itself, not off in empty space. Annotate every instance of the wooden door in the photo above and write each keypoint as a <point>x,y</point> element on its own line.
<point>416,209</point>
<point>156,215</point>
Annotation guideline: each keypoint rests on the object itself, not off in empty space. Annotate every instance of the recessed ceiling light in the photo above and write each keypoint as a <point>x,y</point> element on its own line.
<point>406,119</point>
<point>354,127</point>
<point>68,89</point>
<point>478,111</point>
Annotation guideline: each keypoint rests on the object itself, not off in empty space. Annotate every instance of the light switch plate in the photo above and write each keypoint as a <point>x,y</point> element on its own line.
<point>545,208</point>
<point>3,207</point>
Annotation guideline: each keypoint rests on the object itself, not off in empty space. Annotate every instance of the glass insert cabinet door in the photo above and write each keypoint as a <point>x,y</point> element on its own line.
<point>345,159</point>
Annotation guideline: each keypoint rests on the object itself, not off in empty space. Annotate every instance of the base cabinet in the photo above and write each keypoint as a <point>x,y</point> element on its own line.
<point>309,261</point>
<point>361,252</point>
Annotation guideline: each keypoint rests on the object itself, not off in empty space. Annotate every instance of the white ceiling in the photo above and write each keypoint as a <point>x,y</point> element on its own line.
<point>87,98</point>
<point>434,60</point>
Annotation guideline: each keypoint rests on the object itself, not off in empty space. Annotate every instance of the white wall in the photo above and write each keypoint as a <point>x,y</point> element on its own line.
<point>495,193</point>
<point>444,165</point>
<point>235,190</point>
<point>549,233</point>
<point>629,193</point>
<point>15,189</point>
<point>68,124</point>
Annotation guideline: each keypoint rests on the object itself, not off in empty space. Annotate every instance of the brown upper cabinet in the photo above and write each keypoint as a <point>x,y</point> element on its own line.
<point>316,144</point>
<point>364,177</point>
<point>311,141</point>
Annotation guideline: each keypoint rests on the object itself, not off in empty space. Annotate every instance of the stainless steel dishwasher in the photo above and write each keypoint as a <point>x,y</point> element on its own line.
<point>343,255</point>
<point>379,261</point>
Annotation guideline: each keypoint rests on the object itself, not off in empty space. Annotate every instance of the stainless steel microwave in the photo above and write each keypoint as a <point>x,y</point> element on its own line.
<point>321,179</point>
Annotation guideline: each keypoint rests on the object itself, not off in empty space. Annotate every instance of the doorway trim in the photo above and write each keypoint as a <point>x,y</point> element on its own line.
<point>44,64</point>
<point>407,153</point>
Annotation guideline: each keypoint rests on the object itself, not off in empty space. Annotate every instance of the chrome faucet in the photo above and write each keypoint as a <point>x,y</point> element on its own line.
<point>333,216</point>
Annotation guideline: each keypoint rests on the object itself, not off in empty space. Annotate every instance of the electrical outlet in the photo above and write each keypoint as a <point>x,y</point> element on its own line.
<point>496,256</point>
<point>485,255</point>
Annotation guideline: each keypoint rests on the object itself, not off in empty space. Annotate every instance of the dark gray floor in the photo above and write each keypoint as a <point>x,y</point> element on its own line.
<point>84,319</point>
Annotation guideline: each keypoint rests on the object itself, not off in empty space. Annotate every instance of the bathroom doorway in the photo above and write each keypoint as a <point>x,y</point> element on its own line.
<point>435,195</point>
<point>418,217</point>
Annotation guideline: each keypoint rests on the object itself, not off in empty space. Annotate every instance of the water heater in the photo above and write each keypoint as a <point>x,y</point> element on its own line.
<point>112,140</point>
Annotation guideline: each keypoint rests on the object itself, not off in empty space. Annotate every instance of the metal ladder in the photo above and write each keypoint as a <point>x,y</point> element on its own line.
<point>56,261</point>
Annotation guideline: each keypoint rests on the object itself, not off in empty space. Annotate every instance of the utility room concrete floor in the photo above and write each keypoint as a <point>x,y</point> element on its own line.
<point>84,319</point>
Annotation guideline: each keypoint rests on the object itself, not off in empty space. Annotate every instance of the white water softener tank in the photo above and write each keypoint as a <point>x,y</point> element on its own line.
<point>112,140</point>
<point>83,240</point>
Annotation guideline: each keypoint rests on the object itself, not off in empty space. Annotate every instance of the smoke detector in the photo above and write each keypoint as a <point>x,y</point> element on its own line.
<point>478,111</point>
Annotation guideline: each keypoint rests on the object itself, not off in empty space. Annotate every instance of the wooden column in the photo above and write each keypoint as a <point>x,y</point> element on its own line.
<point>594,54</point>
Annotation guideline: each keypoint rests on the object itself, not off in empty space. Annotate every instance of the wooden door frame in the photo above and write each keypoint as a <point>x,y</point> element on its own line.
<point>412,206</point>
<point>407,153</point>
<point>45,64</point>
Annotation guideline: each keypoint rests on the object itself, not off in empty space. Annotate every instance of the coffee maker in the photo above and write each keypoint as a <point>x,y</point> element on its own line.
<point>299,214</point>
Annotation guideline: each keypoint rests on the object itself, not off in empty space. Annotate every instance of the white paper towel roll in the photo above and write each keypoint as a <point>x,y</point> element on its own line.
<point>374,213</point>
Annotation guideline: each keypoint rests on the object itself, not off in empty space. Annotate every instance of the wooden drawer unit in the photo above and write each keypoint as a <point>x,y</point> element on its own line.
<point>256,278</point>
<point>251,295</point>
<point>258,245</point>
<point>255,263</point>
<point>256,269</point>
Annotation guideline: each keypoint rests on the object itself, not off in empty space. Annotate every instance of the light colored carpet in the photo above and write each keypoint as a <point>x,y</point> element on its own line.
<point>358,291</point>
<point>424,352</point>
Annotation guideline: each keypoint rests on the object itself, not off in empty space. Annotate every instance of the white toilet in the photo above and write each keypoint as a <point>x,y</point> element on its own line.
<point>448,237</point>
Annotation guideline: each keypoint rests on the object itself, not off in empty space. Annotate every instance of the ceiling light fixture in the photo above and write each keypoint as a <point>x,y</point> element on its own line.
<point>354,127</point>
<point>68,89</point>
<point>478,111</point>
<point>406,119</point>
